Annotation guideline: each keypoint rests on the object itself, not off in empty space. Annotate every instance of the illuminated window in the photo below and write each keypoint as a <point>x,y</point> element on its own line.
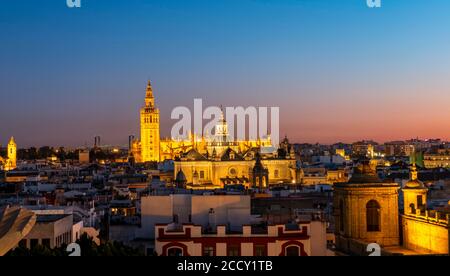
<point>373,216</point>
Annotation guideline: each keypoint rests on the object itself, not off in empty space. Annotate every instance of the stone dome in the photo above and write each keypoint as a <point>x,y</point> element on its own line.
<point>414,184</point>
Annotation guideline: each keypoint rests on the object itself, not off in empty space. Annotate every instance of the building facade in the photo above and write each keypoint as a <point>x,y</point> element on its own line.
<point>51,231</point>
<point>440,159</point>
<point>302,239</point>
<point>233,168</point>
<point>206,211</point>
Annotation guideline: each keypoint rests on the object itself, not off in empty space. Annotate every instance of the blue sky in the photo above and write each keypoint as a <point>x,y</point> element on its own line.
<point>338,70</point>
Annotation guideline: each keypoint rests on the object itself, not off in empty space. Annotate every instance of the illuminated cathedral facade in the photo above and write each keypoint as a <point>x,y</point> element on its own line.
<point>151,148</point>
<point>214,161</point>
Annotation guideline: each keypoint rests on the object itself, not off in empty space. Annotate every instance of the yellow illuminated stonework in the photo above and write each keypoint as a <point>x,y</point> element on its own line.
<point>214,162</point>
<point>425,231</point>
<point>150,147</point>
<point>11,161</point>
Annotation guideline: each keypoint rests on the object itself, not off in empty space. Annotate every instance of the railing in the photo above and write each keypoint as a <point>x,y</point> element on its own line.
<point>433,216</point>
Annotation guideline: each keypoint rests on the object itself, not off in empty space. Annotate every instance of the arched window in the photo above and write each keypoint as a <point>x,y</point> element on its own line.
<point>292,251</point>
<point>175,252</point>
<point>373,216</point>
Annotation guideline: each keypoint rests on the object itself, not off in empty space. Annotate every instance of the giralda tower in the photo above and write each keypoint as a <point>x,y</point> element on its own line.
<point>150,128</point>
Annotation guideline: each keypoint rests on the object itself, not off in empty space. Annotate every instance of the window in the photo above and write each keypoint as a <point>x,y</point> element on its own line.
<point>373,216</point>
<point>202,174</point>
<point>260,251</point>
<point>34,243</point>
<point>208,251</point>
<point>175,252</point>
<point>46,243</point>
<point>276,174</point>
<point>175,218</point>
<point>233,250</point>
<point>233,172</point>
<point>292,251</point>
<point>419,201</point>
<point>23,243</point>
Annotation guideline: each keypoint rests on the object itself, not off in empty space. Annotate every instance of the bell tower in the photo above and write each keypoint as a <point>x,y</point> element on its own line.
<point>150,147</point>
<point>366,211</point>
<point>414,194</point>
<point>11,163</point>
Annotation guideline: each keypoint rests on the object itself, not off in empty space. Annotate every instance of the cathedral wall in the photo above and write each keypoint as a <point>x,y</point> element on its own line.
<point>425,236</point>
<point>213,171</point>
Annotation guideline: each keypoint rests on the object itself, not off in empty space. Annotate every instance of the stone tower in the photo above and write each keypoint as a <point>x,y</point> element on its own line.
<point>414,194</point>
<point>366,211</point>
<point>11,163</point>
<point>150,147</point>
<point>260,174</point>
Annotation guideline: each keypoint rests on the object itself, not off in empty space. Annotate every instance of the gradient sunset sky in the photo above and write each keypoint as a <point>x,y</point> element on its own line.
<point>338,70</point>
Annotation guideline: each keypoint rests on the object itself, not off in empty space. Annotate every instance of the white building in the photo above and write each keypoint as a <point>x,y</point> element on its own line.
<point>207,211</point>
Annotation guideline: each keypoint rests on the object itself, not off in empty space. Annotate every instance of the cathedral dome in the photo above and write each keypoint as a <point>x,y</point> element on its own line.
<point>364,173</point>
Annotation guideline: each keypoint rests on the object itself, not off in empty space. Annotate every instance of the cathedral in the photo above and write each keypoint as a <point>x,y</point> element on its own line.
<point>151,148</point>
<point>10,163</point>
<point>213,162</point>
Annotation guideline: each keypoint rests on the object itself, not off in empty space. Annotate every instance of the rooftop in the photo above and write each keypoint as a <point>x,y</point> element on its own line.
<point>50,218</point>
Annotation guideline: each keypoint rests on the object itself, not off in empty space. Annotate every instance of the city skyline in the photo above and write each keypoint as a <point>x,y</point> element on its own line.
<point>340,72</point>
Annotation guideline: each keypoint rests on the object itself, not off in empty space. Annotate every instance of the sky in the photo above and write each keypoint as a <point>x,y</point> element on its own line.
<point>338,70</point>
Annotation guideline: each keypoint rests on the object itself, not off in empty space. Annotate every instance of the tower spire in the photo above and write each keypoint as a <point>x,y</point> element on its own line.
<point>149,98</point>
<point>414,173</point>
<point>149,93</point>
